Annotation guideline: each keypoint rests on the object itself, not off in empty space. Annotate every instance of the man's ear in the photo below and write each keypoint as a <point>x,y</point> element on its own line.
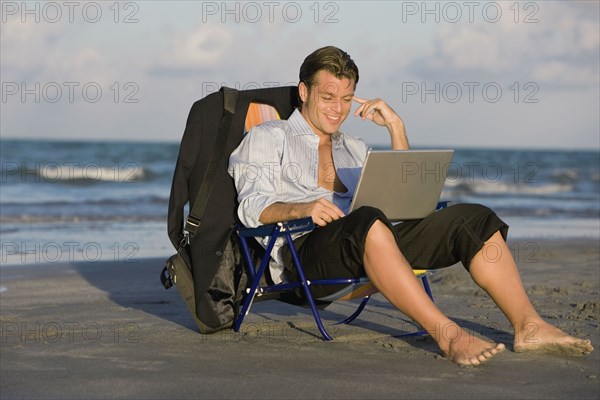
<point>302,91</point>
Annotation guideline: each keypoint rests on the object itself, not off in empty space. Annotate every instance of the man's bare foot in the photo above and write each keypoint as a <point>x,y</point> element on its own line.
<point>467,350</point>
<point>541,336</point>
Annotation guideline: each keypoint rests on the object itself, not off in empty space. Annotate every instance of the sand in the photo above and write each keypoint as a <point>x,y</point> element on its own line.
<point>110,330</point>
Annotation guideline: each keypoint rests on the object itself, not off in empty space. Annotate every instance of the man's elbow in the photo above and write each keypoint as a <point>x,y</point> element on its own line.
<point>246,216</point>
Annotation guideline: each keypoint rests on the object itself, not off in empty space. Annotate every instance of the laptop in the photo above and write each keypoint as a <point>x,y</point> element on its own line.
<point>404,184</point>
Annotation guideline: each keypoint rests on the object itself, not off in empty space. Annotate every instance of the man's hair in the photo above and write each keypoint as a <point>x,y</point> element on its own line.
<point>331,59</point>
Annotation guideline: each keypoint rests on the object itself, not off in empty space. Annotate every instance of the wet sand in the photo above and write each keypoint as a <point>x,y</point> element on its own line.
<point>110,330</point>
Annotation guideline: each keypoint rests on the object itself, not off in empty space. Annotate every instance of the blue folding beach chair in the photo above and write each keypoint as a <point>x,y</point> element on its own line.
<point>353,287</point>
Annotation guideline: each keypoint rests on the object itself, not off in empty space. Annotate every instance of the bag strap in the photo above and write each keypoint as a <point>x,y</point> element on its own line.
<point>194,218</point>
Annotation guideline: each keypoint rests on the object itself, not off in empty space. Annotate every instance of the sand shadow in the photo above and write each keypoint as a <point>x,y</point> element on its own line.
<point>379,316</point>
<point>136,285</point>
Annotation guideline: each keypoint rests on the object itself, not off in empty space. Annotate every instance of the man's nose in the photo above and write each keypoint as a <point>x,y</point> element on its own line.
<point>337,105</point>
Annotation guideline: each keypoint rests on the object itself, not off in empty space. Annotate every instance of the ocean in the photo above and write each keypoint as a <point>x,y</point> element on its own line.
<point>64,201</point>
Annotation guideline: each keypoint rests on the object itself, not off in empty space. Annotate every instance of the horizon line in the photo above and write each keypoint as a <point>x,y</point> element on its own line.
<point>374,145</point>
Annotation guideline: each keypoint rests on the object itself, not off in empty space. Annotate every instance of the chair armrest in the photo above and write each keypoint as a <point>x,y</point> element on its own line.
<point>442,204</point>
<point>295,225</point>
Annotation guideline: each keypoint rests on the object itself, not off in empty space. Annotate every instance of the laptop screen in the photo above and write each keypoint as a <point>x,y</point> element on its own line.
<point>404,184</point>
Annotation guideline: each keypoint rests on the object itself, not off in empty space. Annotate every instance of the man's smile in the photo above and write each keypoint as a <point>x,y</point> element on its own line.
<point>333,119</point>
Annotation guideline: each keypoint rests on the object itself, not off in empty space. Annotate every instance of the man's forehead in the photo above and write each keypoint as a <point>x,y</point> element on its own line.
<point>343,87</point>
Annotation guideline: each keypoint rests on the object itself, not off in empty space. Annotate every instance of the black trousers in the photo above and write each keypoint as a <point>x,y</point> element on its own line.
<point>443,238</point>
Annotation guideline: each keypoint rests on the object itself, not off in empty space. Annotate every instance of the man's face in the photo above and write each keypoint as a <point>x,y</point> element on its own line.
<point>327,104</point>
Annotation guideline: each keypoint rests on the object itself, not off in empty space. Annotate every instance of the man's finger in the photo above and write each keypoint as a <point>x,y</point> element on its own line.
<point>330,208</point>
<point>367,111</point>
<point>335,211</point>
<point>329,214</point>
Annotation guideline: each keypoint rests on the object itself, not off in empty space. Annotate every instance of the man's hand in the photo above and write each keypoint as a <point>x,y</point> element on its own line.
<point>322,212</point>
<point>377,111</point>
<point>382,114</point>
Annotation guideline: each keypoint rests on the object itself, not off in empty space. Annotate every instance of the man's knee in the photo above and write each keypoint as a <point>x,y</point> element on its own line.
<point>368,213</point>
<point>380,234</point>
<point>473,225</point>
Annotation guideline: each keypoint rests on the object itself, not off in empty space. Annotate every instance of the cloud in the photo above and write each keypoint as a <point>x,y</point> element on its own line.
<point>204,48</point>
<point>42,52</point>
<point>243,52</point>
<point>23,44</point>
<point>564,74</point>
<point>561,48</point>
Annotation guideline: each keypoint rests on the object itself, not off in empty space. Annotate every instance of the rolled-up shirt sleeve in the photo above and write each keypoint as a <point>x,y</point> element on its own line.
<point>255,166</point>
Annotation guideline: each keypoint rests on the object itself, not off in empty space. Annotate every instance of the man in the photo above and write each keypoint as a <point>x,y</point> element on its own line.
<point>364,241</point>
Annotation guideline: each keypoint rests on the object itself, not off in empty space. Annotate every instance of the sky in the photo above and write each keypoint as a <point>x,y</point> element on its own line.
<point>501,74</point>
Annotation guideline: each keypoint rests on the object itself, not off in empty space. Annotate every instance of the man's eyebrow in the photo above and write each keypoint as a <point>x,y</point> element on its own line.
<point>331,93</point>
<point>328,92</point>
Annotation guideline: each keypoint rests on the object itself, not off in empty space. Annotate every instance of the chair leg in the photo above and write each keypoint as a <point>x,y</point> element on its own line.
<point>255,283</point>
<point>426,286</point>
<point>306,287</point>
<point>247,304</point>
<point>356,313</point>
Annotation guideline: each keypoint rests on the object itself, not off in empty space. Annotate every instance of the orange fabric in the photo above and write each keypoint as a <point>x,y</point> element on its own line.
<point>259,113</point>
<point>362,291</point>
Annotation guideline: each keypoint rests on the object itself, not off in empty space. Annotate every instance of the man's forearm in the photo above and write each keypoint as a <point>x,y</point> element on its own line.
<point>322,212</point>
<point>280,211</point>
<point>398,136</point>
